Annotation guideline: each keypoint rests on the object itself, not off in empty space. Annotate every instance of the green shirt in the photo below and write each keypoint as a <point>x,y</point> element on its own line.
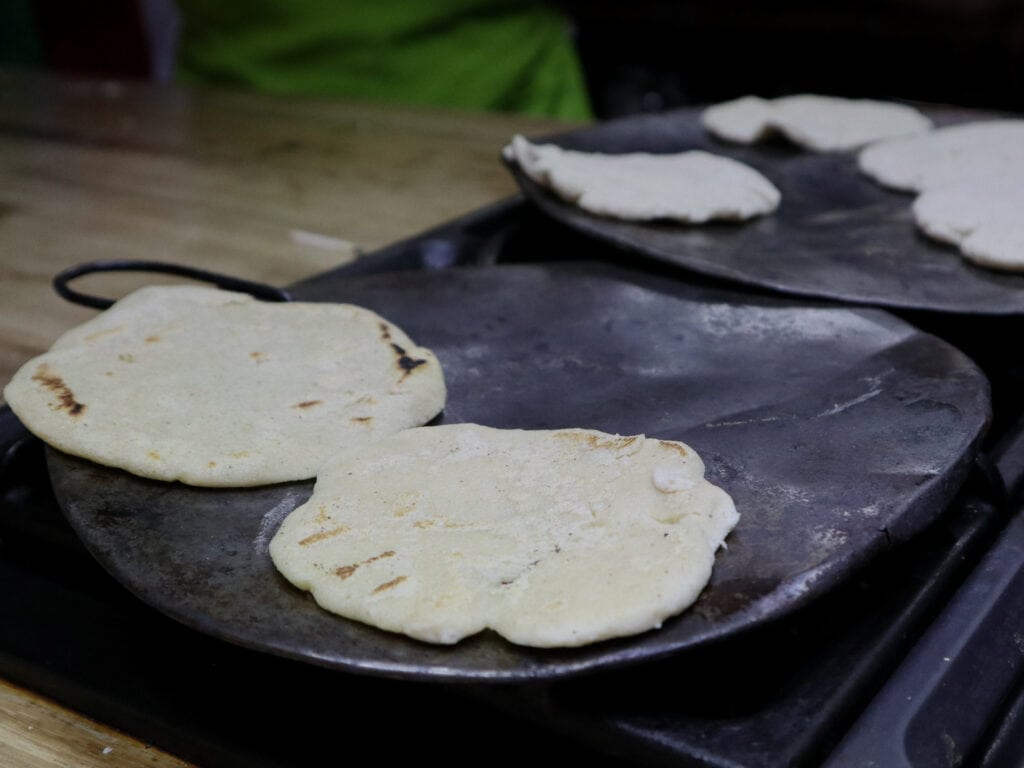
<point>499,55</point>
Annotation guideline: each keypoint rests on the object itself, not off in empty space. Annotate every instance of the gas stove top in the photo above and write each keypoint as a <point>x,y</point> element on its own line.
<point>878,672</point>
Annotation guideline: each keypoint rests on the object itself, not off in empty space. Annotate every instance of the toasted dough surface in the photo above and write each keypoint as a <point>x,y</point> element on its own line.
<point>214,388</point>
<point>690,187</point>
<point>815,122</point>
<point>987,148</point>
<point>981,215</point>
<point>548,537</point>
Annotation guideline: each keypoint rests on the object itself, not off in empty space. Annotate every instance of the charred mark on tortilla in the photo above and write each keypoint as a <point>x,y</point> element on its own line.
<point>347,570</point>
<point>389,584</point>
<point>65,397</point>
<point>406,363</point>
<point>512,579</point>
<point>307,404</point>
<point>321,535</point>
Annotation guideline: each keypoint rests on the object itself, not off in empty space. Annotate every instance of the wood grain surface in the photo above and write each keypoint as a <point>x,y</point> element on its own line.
<point>266,188</point>
<point>35,731</point>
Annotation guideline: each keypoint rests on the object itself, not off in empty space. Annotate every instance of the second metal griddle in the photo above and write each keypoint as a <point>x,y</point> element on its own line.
<point>838,432</point>
<point>837,234</point>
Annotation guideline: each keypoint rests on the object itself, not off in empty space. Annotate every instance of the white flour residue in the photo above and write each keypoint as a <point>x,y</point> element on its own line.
<point>830,538</point>
<point>874,384</point>
<point>271,520</point>
<point>840,407</point>
<point>741,422</point>
<point>871,510</point>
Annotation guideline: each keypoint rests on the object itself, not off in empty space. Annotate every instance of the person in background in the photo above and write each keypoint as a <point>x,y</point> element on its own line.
<point>500,55</point>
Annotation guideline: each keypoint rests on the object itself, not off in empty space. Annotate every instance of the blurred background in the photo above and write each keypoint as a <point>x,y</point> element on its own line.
<point>570,59</point>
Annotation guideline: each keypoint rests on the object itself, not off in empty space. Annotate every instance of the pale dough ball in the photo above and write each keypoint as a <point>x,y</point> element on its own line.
<point>690,187</point>
<point>818,123</point>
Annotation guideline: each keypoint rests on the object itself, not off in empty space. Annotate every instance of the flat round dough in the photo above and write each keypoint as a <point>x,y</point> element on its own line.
<point>814,122</point>
<point>690,187</point>
<point>998,244</point>
<point>981,215</point>
<point>980,149</point>
<point>214,388</point>
<point>548,537</point>
<point>746,120</point>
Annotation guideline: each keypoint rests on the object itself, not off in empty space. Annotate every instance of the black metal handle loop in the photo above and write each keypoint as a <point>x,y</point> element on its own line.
<point>61,282</point>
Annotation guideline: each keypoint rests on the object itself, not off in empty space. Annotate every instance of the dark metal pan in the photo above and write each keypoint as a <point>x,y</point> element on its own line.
<point>838,432</point>
<point>836,234</point>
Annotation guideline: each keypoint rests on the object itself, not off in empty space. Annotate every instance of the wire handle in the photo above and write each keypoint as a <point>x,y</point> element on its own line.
<point>227,282</point>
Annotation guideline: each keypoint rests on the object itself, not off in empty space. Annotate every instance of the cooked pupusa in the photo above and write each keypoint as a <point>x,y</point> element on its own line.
<point>812,121</point>
<point>690,187</point>
<point>215,388</point>
<point>548,537</point>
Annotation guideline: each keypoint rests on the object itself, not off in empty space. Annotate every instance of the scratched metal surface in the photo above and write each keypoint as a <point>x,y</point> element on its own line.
<point>836,431</point>
<point>836,234</point>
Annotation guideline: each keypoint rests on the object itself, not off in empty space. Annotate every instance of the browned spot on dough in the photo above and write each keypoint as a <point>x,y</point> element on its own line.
<point>406,504</point>
<point>211,464</point>
<point>258,357</point>
<point>307,404</point>
<point>240,455</point>
<point>126,358</point>
<point>385,332</point>
<point>154,455</point>
<point>313,538</point>
<point>405,363</point>
<point>389,584</point>
<point>367,400</point>
<point>424,523</point>
<point>100,334</point>
<point>321,514</point>
<point>675,447</point>
<point>65,397</point>
<point>596,441</point>
<point>345,571</point>
<point>362,419</point>
<point>152,339</point>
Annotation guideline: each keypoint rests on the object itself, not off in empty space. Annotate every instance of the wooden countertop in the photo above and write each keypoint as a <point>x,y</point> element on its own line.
<point>267,188</point>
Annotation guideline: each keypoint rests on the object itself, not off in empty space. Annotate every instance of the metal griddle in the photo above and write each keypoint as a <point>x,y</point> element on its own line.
<point>839,432</point>
<point>837,234</point>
